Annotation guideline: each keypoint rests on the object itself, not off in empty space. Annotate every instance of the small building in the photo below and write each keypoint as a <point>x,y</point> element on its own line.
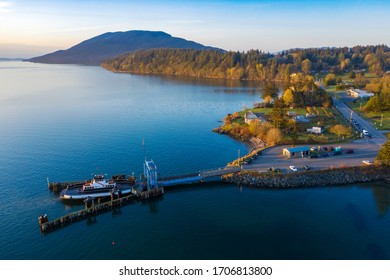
<point>250,117</point>
<point>315,130</point>
<point>291,113</point>
<point>301,151</point>
<point>312,115</point>
<point>358,93</point>
<point>301,119</point>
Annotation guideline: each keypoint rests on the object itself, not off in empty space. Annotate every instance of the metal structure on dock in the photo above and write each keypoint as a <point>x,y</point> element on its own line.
<point>151,174</point>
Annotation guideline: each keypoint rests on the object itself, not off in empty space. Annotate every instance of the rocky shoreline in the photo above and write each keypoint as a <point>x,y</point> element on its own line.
<point>340,176</point>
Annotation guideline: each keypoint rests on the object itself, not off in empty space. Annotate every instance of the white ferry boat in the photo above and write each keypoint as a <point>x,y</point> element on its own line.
<point>98,187</point>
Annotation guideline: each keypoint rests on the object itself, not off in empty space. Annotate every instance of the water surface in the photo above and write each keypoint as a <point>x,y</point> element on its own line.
<point>65,122</point>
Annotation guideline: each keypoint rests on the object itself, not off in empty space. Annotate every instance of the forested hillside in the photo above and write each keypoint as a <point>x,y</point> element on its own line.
<point>254,64</point>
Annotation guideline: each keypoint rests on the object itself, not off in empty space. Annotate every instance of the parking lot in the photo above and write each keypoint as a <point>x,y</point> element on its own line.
<point>363,149</point>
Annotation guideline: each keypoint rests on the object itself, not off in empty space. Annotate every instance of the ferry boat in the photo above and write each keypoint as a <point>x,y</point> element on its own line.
<point>98,187</point>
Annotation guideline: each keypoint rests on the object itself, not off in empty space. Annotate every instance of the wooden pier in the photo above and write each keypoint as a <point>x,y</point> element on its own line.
<point>92,209</point>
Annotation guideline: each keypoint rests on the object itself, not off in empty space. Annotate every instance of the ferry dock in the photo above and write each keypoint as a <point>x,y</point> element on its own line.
<point>93,209</point>
<point>151,186</point>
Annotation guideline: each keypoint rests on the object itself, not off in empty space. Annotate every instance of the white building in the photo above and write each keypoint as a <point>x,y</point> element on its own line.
<point>315,130</point>
<point>250,117</point>
<point>358,93</point>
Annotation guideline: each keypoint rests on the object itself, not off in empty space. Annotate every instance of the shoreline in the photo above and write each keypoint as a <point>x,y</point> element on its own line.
<point>313,178</point>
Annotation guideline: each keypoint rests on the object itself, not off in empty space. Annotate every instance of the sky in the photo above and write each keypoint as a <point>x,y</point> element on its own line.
<point>31,28</point>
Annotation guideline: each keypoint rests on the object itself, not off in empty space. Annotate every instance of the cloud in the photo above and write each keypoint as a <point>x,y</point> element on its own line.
<point>4,7</point>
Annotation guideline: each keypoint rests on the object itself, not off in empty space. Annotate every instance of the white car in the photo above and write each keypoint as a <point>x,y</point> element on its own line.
<point>368,162</point>
<point>293,168</point>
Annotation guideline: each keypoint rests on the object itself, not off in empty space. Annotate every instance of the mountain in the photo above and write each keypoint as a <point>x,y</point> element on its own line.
<point>108,45</point>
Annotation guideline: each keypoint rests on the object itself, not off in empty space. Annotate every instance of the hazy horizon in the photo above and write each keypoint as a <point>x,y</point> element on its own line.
<point>40,27</point>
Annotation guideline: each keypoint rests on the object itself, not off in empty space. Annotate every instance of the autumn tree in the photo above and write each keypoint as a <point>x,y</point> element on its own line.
<point>306,66</point>
<point>384,152</point>
<point>274,136</point>
<point>263,129</point>
<point>288,97</point>
<point>330,79</point>
<point>339,130</point>
<point>253,127</point>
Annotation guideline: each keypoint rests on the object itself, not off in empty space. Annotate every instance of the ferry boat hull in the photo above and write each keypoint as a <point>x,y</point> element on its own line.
<point>78,193</point>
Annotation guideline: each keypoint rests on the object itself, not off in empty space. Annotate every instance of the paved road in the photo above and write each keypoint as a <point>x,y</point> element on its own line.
<point>272,157</point>
<point>378,137</point>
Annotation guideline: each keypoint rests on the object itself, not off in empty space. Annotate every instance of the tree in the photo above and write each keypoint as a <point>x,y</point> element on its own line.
<point>253,126</point>
<point>288,97</point>
<point>270,89</point>
<point>274,136</point>
<point>278,113</point>
<point>384,152</point>
<point>330,79</point>
<point>227,119</point>
<point>339,130</point>
<point>352,75</point>
<point>306,66</point>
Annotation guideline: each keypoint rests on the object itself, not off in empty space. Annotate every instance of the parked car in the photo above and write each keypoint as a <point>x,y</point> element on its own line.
<point>368,162</point>
<point>293,168</point>
<point>274,169</point>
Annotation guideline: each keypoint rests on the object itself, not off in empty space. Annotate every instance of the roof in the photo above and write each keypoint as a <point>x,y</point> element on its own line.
<point>250,115</point>
<point>298,149</point>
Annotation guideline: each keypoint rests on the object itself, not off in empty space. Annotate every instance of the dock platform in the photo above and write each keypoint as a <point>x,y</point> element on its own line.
<point>94,210</point>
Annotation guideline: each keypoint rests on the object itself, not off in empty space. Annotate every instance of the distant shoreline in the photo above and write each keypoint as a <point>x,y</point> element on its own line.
<point>11,59</point>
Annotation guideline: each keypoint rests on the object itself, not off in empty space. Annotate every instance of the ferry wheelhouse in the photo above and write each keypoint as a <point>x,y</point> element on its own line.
<point>99,183</point>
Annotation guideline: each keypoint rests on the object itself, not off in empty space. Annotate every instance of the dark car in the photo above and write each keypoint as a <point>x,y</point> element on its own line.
<point>349,151</point>
<point>306,167</point>
<point>275,169</point>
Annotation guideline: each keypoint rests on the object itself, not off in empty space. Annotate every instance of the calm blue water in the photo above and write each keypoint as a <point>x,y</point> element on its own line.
<point>64,122</point>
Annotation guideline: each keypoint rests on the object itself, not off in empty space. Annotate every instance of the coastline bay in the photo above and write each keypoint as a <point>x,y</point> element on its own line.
<point>64,122</point>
